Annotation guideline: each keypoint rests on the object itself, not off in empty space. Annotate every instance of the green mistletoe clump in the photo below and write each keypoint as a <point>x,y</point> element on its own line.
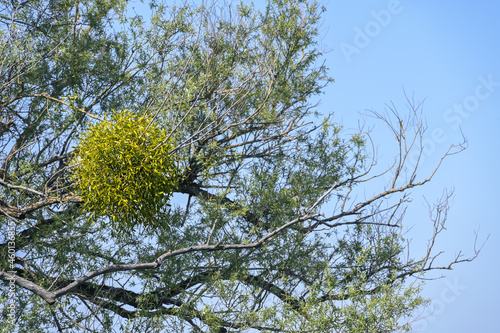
<point>123,169</point>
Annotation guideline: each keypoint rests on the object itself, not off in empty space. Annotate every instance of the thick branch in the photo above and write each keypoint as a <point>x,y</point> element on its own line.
<point>50,296</point>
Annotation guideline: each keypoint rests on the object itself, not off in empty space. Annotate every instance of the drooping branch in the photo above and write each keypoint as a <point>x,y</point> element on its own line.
<point>48,296</point>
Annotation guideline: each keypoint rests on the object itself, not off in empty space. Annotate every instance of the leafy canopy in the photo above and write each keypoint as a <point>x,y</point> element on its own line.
<point>245,207</point>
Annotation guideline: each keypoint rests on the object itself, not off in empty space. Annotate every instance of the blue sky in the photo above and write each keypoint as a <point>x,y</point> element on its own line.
<point>446,53</point>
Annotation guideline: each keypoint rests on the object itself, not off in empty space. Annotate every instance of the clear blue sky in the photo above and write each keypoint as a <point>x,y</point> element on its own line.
<point>446,52</point>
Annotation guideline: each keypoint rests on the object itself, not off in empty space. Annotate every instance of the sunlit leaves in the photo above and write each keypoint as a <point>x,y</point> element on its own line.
<point>124,170</point>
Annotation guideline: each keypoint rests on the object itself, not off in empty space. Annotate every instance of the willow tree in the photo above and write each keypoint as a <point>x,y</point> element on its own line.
<point>165,168</point>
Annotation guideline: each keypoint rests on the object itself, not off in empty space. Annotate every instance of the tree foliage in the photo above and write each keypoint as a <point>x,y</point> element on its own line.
<point>238,199</point>
<point>123,169</point>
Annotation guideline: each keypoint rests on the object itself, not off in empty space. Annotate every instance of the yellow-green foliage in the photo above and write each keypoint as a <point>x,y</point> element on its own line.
<point>123,170</point>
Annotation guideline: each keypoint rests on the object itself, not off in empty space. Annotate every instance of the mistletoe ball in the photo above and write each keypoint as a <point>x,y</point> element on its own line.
<point>124,170</point>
